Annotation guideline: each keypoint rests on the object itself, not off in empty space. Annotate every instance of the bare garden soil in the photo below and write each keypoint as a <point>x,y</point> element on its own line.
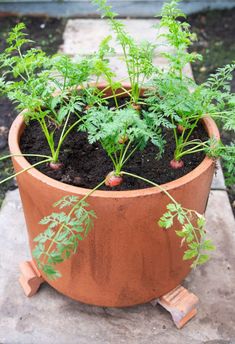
<point>216,33</point>
<point>86,165</point>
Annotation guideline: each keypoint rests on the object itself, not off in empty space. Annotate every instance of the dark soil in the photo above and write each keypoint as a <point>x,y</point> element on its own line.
<point>87,165</point>
<point>44,31</point>
<point>47,33</point>
<point>216,33</point>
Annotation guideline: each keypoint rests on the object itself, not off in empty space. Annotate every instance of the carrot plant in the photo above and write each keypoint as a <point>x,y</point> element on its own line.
<point>180,100</point>
<point>172,101</point>
<point>102,68</point>
<point>53,89</point>
<point>121,133</point>
<point>44,87</point>
<point>137,56</point>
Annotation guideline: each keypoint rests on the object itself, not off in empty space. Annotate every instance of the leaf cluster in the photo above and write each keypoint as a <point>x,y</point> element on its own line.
<point>178,36</point>
<point>35,78</point>
<point>193,232</point>
<point>228,160</point>
<point>110,127</point>
<point>138,56</point>
<point>64,231</point>
<point>45,87</point>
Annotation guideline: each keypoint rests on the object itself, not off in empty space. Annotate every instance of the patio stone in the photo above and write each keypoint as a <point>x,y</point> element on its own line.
<point>83,36</point>
<point>218,182</point>
<point>50,317</point>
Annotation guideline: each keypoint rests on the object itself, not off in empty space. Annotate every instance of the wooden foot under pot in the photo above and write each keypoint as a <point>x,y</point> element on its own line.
<point>180,303</point>
<point>30,278</point>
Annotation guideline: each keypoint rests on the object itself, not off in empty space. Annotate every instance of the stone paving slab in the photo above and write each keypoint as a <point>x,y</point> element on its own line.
<point>218,182</point>
<point>49,316</point>
<point>83,36</point>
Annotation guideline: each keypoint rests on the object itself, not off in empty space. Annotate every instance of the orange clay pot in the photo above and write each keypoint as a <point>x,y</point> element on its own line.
<point>126,259</point>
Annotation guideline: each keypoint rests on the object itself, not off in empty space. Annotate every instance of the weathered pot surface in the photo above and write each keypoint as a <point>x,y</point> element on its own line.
<point>126,259</point>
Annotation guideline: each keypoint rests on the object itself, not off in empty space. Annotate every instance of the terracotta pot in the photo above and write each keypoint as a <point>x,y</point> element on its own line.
<point>126,259</point>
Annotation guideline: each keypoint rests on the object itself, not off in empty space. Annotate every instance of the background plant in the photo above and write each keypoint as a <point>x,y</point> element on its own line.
<point>217,47</point>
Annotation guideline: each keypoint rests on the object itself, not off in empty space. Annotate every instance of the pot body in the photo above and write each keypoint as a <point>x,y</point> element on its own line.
<point>126,259</point>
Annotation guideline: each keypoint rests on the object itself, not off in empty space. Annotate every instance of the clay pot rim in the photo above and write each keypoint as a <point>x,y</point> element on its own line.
<point>13,141</point>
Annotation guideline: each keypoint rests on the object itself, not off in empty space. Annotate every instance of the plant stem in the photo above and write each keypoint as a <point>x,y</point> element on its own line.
<point>47,135</point>
<point>19,155</point>
<point>191,130</point>
<point>151,183</point>
<point>64,136</point>
<point>117,95</point>
<point>129,155</point>
<point>22,59</point>
<point>24,170</point>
